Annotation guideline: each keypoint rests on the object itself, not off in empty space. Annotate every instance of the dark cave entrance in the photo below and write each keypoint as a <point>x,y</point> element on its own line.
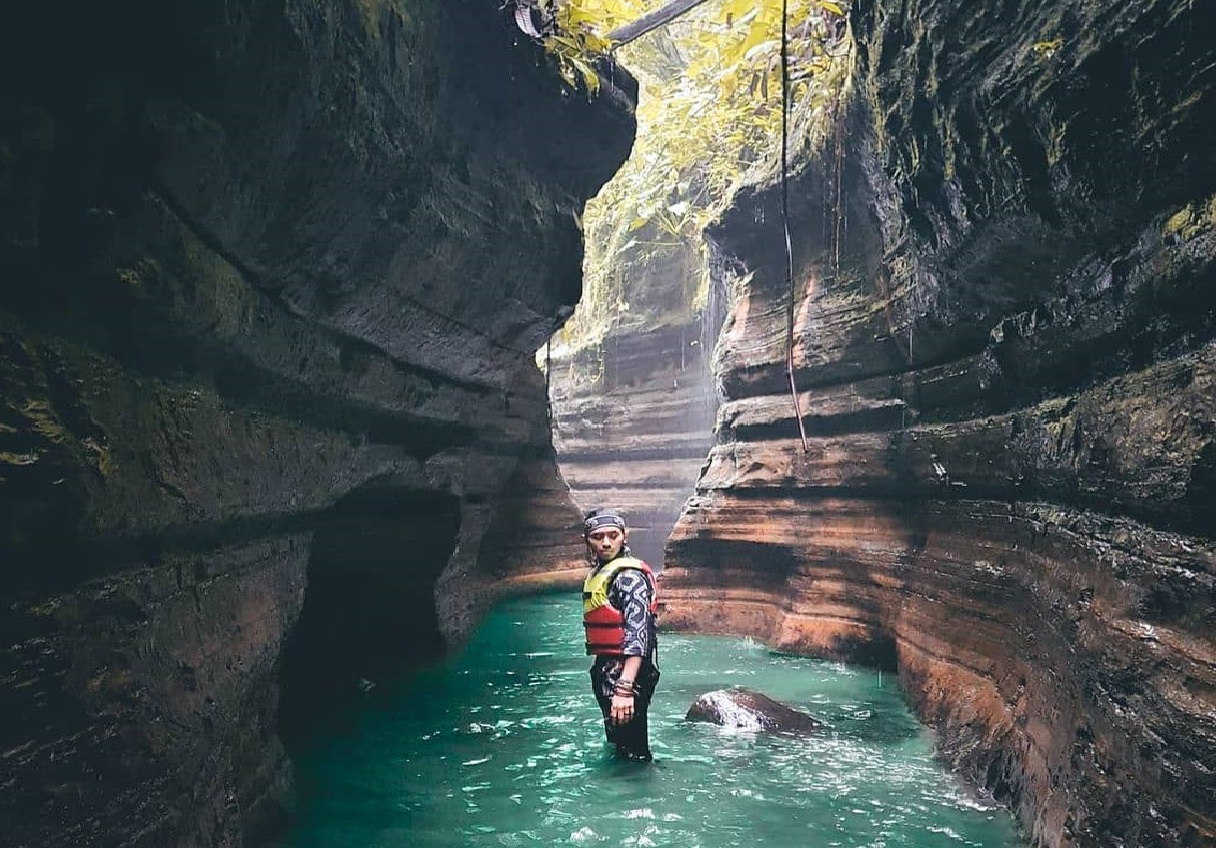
<point>369,609</point>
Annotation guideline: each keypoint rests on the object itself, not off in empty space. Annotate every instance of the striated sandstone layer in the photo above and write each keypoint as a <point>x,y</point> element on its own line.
<point>634,436</point>
<point>633,413</point>
<point>1005,349</point>
<point>274,277</point>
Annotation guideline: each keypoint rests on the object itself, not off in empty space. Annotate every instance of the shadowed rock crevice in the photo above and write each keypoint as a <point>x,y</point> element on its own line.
<point>369,609</point>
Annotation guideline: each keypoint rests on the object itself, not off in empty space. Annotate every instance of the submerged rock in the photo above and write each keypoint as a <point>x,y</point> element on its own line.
<point>746,709</point>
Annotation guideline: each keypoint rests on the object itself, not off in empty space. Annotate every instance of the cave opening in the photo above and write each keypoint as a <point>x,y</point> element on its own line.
<point>369,607</point>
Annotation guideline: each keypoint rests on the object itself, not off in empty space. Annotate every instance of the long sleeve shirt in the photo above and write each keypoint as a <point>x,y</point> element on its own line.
<point>631,594</point>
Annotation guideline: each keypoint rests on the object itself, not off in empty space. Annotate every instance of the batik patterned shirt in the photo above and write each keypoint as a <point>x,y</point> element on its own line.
<point>630,592</point>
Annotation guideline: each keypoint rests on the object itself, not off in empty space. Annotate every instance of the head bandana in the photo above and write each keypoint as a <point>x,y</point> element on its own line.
<point>601,520</point>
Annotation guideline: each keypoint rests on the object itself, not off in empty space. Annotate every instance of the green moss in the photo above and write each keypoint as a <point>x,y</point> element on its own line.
<point>1179,221</point>
<point>111,683</point>
<point>100,456</point>
<point>709,124</point>
<point>220,296</point>
<point>1047,49</point>
<point>45,422</point>
<point>62,432</point>
<point>136,279</point>
<point>372,11</point>
<point>46,608</point>
<point>1192,220</point>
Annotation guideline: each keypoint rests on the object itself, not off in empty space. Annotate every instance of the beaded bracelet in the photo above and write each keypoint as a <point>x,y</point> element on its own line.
<point>624,688</point>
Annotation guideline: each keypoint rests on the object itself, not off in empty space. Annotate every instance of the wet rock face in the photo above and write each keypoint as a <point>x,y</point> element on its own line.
<point>1006,353</point>
<point>274,279</point>
<point>748,710</point>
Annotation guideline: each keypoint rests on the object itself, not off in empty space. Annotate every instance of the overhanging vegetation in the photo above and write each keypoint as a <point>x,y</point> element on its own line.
<point>709,123</point>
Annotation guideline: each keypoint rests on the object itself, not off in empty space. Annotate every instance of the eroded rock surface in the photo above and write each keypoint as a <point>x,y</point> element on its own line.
<point>274,276</point>
<point>1005,347</point>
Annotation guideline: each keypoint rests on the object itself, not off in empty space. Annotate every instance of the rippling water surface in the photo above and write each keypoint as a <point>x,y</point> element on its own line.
<point>503,746</point>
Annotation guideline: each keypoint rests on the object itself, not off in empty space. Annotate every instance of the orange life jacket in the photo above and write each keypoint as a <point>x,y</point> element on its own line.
<point>604,623</point>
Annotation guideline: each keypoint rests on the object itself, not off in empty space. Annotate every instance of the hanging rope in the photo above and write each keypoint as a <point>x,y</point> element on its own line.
<point>548,371</point>
<point>785,225</point>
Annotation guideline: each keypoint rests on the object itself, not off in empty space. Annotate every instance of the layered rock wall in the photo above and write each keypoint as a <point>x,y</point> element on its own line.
<point>634,411</point>
<point>634,435</point>
<point>1005,345</point>
<point>274,280</point>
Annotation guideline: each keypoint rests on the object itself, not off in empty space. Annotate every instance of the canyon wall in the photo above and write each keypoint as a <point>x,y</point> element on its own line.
<point>633,420</point>
<point>634,410</point>
<point>274,277</point>
<point>1004,342</point>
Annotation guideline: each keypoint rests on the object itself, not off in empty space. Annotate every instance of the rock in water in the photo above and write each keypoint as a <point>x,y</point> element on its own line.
<point>747,709</point>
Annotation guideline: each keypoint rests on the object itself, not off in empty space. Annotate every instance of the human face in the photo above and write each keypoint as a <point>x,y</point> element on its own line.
<point>606,542</point>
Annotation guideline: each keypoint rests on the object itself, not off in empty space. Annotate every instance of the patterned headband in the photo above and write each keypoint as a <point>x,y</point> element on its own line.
<point>603,519</point>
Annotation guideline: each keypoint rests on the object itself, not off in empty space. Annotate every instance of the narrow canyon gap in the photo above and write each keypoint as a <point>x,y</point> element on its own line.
<point>273,281</point>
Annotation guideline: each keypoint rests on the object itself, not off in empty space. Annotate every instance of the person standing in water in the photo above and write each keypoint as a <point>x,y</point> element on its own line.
<point>620,599</point>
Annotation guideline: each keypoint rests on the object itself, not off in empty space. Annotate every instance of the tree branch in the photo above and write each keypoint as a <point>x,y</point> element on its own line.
<point>654,20</point>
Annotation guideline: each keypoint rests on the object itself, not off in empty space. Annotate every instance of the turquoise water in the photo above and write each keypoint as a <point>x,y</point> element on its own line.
<point>503,746</point>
